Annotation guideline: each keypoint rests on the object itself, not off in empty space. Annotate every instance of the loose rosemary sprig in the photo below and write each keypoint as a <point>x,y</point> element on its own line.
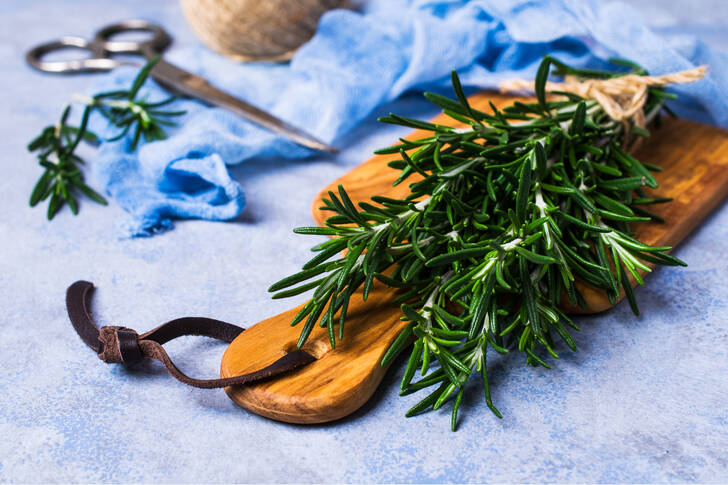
<point>62,178</point>
<point>56,145</point>
<point>503,220</point>
<point>124,110</point>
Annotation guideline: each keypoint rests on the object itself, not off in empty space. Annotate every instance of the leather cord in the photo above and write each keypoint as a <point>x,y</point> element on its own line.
<point>115,344</point>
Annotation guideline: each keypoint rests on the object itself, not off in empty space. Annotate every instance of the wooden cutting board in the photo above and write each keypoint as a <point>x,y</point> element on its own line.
<point>694,158</point>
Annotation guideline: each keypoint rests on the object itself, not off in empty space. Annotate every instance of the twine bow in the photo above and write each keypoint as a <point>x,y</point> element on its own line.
<point>622,98</point>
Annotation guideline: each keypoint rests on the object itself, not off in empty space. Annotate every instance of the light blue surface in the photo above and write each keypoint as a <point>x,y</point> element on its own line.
<point>358,61</point>
<point>644,399</point>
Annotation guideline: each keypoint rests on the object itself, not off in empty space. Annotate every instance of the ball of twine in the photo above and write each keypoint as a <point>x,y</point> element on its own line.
<point>256,30</point>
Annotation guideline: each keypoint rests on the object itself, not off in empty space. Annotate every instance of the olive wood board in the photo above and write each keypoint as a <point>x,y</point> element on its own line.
<point>694,159</point>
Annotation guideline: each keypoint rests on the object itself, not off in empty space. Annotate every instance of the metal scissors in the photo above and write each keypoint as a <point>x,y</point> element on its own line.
<point>102,49</point>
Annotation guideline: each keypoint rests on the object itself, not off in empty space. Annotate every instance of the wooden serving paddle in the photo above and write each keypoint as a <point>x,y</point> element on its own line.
<point>694,159</point>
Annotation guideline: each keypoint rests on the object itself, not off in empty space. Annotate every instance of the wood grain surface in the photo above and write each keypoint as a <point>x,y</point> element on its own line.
<point>694,158</point>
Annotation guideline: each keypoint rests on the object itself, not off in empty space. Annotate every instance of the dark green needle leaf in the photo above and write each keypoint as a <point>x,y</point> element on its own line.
<point>540,84</point>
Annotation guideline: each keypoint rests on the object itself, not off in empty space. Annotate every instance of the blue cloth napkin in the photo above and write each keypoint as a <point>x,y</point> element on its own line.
<point>359,60</point>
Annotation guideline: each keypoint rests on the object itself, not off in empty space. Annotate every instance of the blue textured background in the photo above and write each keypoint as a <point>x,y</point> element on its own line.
<point>644,399</point>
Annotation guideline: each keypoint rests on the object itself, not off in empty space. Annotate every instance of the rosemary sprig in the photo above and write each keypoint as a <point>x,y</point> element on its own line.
<point>504,218</point>
<point>62,179</point>
<point>127,112</point>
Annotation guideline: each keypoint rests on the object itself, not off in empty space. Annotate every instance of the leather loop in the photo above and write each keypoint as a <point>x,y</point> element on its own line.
<point>115,344</point>
<point>128,346</point>
<point>109,350</point>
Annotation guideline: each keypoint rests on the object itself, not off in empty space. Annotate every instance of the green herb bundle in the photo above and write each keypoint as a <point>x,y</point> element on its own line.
<point>505,217</point>
<point>62,178</point>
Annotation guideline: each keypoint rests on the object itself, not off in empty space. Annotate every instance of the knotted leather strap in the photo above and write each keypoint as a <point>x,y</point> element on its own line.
<point>123,345</point>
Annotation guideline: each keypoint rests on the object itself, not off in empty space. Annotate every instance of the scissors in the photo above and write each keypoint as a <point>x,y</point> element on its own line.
<point>102,49</point>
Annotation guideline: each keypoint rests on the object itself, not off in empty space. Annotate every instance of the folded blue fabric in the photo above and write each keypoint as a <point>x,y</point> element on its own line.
<point>359,60</point>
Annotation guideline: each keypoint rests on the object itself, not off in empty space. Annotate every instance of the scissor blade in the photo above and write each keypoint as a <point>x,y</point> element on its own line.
<point>192,85</point>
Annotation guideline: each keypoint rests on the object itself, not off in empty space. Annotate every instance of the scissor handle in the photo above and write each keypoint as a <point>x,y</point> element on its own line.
<point>100,48</point>
<point>95,63</point>
<point>149,48</point>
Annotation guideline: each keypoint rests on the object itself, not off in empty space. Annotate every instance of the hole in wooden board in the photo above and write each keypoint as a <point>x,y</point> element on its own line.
<point>315,347</point>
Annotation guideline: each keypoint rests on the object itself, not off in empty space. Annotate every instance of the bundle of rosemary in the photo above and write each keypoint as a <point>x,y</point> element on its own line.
<point>504,218</point>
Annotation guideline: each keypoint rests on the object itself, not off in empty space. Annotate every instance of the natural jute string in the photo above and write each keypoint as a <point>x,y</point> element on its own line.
<point>622,98</point>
